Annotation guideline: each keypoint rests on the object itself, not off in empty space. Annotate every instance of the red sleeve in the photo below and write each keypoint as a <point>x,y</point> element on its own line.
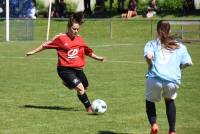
<point>52,44</point>
<point>88,51</point>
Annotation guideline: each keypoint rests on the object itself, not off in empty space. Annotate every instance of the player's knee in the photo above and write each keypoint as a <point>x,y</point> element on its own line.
<point>80,89</point>
<point>81,92</point>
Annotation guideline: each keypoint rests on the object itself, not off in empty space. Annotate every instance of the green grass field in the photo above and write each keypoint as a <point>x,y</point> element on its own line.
<point>33,100</point>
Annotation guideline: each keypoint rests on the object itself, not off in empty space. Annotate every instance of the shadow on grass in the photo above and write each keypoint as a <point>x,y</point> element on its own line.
<point>110,132</point>
<point>52,107</point>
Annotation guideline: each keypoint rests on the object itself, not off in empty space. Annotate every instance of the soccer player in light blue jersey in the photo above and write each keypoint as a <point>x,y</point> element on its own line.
<point>165,58</point>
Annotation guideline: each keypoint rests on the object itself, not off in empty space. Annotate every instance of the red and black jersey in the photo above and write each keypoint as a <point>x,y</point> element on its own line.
<point>71,53</point>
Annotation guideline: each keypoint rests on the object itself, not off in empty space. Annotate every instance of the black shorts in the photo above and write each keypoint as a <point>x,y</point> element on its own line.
<point>72,77</point>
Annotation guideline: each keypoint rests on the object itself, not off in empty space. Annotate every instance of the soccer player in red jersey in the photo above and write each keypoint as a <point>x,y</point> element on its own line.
<point>71,51</point>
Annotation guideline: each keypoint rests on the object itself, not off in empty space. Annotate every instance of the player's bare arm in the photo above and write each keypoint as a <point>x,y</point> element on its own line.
<point>36,50</point>
<point>149,58</point>
<point>99,58</point>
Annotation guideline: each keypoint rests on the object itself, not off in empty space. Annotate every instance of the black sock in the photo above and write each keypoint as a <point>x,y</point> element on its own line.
<point>151,111</point>
<point>171,114</point>
<point>84,99</point>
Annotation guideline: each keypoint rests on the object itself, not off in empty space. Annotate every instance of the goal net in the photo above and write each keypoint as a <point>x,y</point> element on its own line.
<point>16,24</point>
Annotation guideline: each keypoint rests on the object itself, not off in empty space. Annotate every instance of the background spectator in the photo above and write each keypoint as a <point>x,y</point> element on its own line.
<point>27,9</point>
<point>99,6</point>
<point>188,5</point>
<point>120,4</point>
<point>132,10</point>
<point>62,9</point>
<point>59,9</point>
<point>2,8</point>
<point>54,10</point>
<point>32,10</point>
<point>87,7</point>
<point>152,9</point>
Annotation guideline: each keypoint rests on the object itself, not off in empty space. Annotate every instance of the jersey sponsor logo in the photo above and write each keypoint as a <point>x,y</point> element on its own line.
<point>72,53</point>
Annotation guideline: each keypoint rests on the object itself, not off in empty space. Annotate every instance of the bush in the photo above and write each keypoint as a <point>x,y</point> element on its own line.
<point>166,6</point>
<point>71,7</point>
<point>163,5</point>
<point>170,5</point>
<point>142,5</point>
<point>40,6</point>
<point>42,11</point>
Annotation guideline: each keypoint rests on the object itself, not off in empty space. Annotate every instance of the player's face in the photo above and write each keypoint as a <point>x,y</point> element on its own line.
<point>73,30</point>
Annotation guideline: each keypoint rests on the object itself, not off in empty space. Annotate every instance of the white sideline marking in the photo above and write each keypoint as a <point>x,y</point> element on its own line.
<point>134,62</point>
<point>128,44</point>
<point>53,59</point>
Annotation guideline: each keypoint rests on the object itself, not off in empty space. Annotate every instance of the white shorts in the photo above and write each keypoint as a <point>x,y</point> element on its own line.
<point>155,88</point>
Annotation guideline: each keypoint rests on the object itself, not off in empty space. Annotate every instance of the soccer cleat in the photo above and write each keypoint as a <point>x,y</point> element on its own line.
<point>154,129</point>
<point>89,109</point>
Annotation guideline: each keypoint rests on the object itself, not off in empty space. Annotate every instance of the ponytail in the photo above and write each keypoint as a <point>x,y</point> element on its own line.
<point>163,30</point>
<point>76,18</point>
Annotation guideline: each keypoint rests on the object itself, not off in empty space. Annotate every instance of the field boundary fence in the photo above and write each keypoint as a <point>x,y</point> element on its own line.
<point>110,28</point>
<point>184,23</point>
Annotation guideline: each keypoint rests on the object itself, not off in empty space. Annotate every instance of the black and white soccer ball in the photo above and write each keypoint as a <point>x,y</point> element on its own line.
<point>99,106</point>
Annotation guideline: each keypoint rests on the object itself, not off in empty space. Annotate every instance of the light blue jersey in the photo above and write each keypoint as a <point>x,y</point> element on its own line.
<point>166,63</point>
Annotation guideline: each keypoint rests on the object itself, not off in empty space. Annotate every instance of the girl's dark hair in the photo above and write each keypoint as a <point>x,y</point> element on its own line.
<point>76,18</point>
<point>163,29</point>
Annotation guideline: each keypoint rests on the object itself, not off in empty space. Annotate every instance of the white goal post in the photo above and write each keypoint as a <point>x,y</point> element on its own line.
<point>49,19</point>
<point>7,21</point>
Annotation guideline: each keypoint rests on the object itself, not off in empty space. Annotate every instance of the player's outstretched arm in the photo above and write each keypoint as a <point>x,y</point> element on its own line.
<point>36,50</point>
<point>149,58</point>
<point>99,58</point>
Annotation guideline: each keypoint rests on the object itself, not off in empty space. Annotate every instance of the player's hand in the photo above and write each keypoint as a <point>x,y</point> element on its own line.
<point>29,53</point>
<point>104,59</point>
